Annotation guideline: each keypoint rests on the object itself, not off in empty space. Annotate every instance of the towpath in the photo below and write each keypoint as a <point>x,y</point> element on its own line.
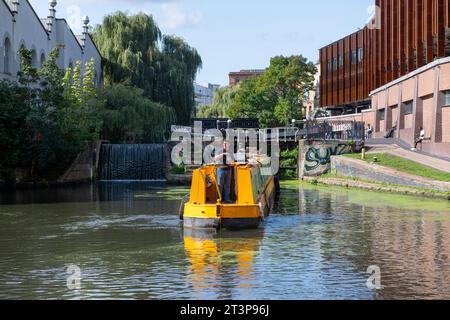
<point>427,160</point>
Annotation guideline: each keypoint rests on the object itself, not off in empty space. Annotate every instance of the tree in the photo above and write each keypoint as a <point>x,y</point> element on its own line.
<point>13,132</point>
<point>129,115</point>
<point>252,102</point>
<point>60,115</point>
<point>164,67</point>
<point>277,96</point>
<point>83,107</point>
<point>223,98</point>
<point>285,111</point>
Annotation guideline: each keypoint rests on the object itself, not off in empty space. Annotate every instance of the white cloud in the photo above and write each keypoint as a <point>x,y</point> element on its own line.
<point>173,16</point>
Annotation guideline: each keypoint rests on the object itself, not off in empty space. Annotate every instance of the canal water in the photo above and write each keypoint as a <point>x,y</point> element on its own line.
<point>123,241</point>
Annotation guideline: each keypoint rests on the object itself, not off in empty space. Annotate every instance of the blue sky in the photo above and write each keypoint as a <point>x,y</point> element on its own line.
<point>234,34</point>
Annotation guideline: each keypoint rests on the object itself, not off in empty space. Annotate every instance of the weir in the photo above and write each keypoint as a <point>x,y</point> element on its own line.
<point>132,162</point>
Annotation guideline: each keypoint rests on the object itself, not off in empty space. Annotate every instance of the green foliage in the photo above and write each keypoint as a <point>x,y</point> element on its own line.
<point>82,109</point>
<point>13,114</point>
<point>223,98</point>
<point>285,111</point>
<point>128,115</point>
<point>288,174</point>
<point>276,97</point>
<point>27,74</point>
<point>52,92</point>
<point>164,67</point>
<point>47,119</point>
<point>250,102</point>
<point>291,154</point>
<point>178,169</point>
<point>288,160</point>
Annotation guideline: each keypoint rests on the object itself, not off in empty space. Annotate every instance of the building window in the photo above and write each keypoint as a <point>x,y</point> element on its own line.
<point>382,114</point>
<point>360,55</point>
<point>415,58</point>
<point>7,56</point>
<point>447,42</point>
<point>19,58</point>
<point>341,62</point>
<point>447,98</point>
<point>42,59</point>
<point>34,58</point>
<point>353,56</point>
<point>425,53</point>
<point>408,107</point>
<point>435,53</point>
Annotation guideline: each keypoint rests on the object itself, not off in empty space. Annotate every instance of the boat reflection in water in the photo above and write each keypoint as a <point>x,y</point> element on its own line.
<point>222,257</point>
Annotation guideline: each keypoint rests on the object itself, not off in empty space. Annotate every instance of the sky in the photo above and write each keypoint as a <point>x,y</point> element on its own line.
<point>231,35</point>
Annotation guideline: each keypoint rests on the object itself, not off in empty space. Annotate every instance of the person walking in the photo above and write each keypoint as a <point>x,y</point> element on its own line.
<point>369,131</point>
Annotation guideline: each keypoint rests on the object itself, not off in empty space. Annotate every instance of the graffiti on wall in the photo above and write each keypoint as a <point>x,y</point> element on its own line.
<point>318,157</point>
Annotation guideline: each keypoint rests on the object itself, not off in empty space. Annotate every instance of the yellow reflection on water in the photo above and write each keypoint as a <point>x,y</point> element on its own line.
<point>214,255</point>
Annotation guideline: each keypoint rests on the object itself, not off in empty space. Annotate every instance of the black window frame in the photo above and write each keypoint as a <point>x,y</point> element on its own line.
<point>382,113</point>
<point>408,107</point>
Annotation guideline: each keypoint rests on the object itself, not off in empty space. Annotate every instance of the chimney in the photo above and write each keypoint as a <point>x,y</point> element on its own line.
<point>85,30</point>
<point>52,15</point>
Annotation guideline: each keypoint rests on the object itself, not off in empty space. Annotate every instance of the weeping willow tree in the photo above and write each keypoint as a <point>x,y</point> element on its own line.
<point>164,67</point>
<point>223,98</point>
<point>129,116</point>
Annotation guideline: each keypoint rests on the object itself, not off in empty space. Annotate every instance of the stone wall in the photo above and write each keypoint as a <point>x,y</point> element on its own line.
<point>84,167</point>
<point>354,168</point>
<point>315,155</point>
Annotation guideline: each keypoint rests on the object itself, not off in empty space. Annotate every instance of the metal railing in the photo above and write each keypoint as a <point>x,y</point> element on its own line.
<point>309,129</point>
<point>333,130</point>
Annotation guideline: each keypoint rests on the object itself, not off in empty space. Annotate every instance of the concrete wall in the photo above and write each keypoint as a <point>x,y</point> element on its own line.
<point>84,167</point>
<point>425,88</point>
<point>359,169</point>
<point>315,155</point>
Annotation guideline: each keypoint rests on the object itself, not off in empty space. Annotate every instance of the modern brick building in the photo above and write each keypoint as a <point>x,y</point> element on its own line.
<point>403,36</point>
<point>237,77</point>
<point>395,72</point>
<point>419,99</point>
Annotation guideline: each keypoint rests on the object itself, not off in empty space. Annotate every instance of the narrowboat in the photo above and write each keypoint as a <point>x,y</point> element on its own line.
<point>237,196</point>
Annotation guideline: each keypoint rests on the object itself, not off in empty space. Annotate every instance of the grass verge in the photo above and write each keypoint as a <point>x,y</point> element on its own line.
<point>404,165</point>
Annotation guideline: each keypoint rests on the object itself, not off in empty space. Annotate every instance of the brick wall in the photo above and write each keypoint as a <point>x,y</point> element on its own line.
<point>421,87</point>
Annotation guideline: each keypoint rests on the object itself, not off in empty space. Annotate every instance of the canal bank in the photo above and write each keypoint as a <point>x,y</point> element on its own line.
<point>354,183</point>
<point>338,163</point>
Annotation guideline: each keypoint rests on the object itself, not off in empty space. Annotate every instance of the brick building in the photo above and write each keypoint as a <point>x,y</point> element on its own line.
<point>403,36</point>
<point>237,77</point>
<point>395,72</point>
